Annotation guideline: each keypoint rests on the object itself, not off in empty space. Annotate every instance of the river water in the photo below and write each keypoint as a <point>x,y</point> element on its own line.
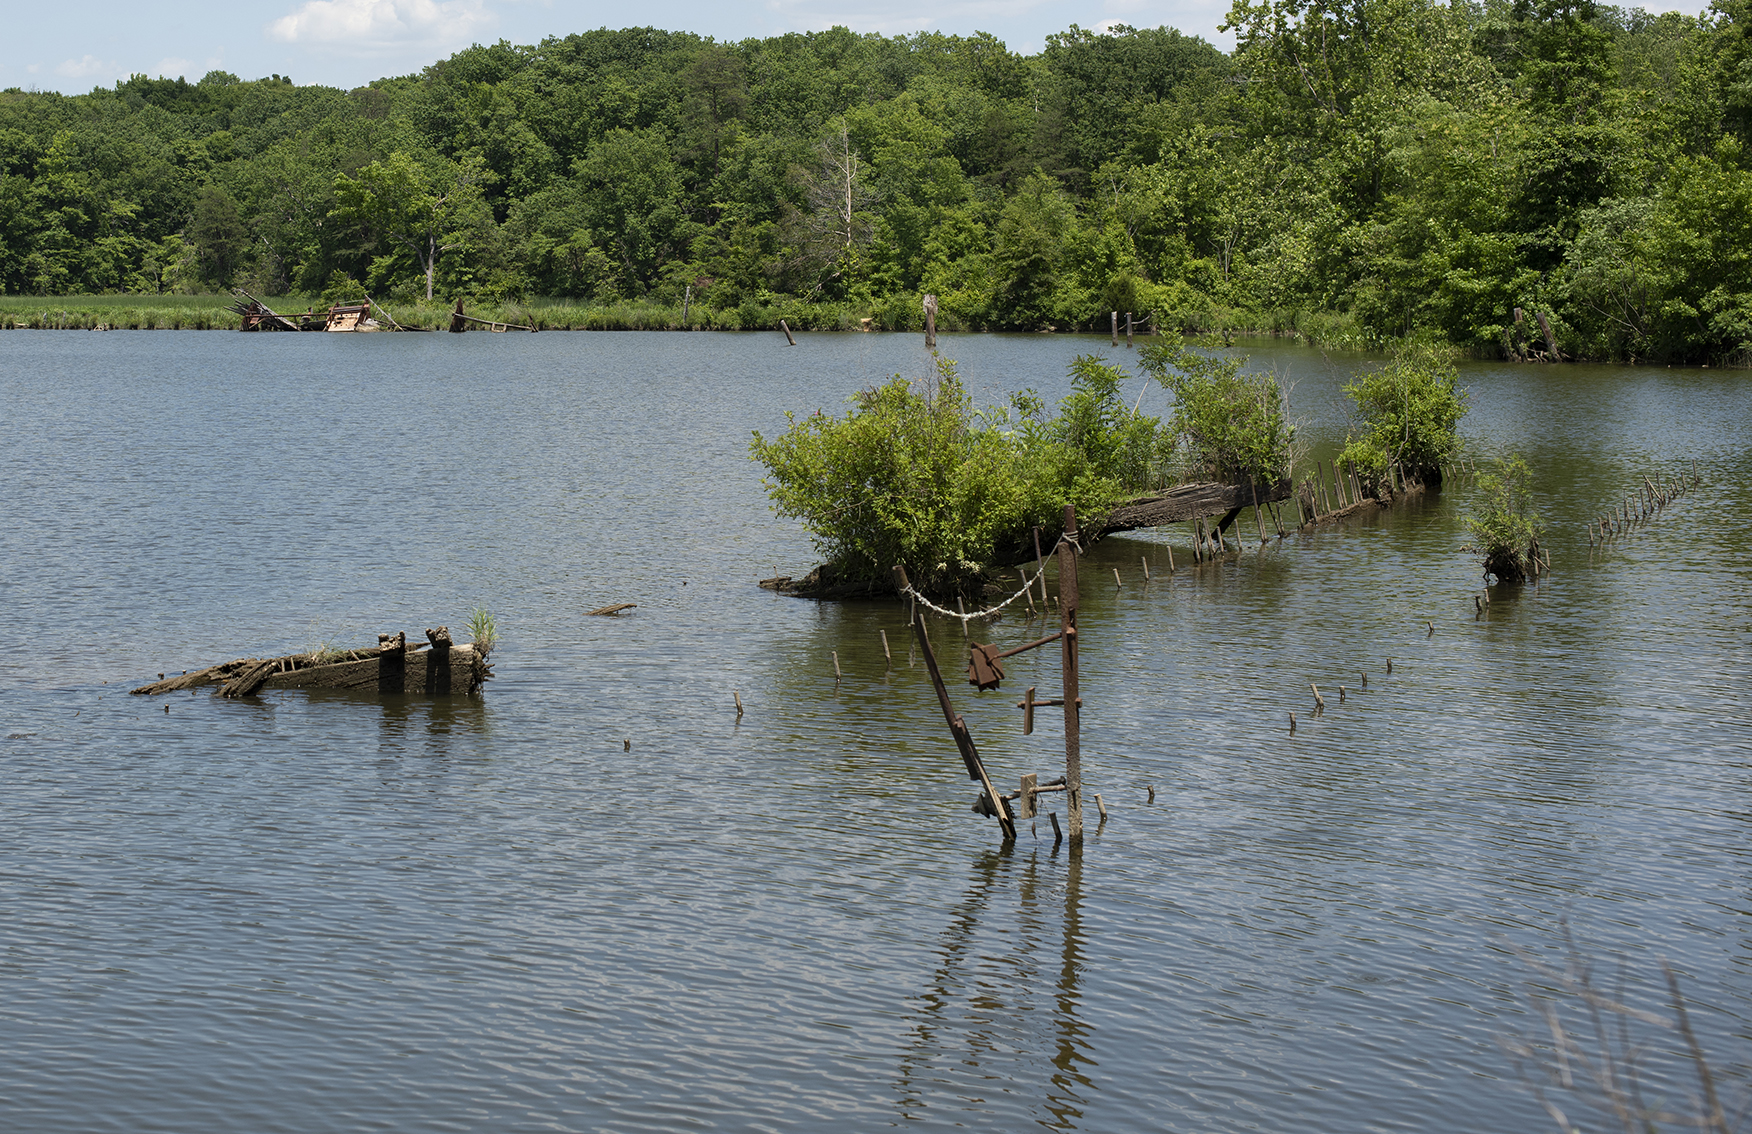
<point>596,899</point>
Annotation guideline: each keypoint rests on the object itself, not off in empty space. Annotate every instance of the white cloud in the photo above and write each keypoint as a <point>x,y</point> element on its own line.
<point>172,66</point>
<point>370,25</point>
<point>85,68</point>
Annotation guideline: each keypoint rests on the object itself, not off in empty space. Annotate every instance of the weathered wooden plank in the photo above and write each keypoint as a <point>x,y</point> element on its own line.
<point>415,669</point>
<point>1189,502</point>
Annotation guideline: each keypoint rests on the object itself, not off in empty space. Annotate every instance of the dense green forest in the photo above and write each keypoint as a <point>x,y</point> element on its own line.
<point>1359,169</point>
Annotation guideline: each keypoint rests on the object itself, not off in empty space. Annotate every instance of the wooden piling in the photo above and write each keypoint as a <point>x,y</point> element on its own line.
<point>886,656</point>
<point>1068,604</point>
<point>1101,807</point>
<point>1113,326</point>
<point>1292,724</point>
<point>836,668</point>
<point>1319,701</point>
<point>1028,712</point>
<point>930,305</point>
<point>738,697</point>
<point>1058,836</point>
<point>1117,584</point>
<point>1146,561</point>
<point>785,327</point>
<point>1170,558</point>
<point>1128,330</point>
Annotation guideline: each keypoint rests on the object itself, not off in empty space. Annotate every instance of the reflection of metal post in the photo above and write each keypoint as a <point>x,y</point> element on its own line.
<point>1068,626</point>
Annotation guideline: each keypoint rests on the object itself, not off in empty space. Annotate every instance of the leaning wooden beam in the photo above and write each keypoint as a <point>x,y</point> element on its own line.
<point>459,322</point>
<point>958,727</point>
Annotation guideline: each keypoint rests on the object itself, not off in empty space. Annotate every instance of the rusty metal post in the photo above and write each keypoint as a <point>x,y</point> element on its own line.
<point>1068,626</point>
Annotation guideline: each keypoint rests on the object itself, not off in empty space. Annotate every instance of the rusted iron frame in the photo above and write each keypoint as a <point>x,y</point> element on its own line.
<point>1048,640</point>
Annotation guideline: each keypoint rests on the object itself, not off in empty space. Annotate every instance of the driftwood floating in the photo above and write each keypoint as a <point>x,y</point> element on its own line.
<point>436,667</point>
<point>612,608</point>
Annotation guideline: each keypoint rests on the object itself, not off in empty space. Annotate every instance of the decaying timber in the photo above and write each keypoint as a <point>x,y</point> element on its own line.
<point>460,322</point>
<point>1190,502</point>
<point>258,316</point>
<point>436,667</point>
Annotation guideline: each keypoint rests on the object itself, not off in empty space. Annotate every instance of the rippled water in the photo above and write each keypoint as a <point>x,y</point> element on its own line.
<point>316,912</point>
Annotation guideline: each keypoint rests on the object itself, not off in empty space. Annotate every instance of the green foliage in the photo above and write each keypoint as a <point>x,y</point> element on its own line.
<point>1355,171</point>
<point>1504,527</point>
<point>1229,423</point>
<point>1407,411</point>
<point>915,477</point>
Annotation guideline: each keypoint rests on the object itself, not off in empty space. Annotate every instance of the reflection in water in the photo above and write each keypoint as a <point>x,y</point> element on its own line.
<point>981,1010</point>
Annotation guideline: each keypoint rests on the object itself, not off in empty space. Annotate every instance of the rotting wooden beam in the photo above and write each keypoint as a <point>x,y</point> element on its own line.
<point>1190,502</point>
<point>411,669</point>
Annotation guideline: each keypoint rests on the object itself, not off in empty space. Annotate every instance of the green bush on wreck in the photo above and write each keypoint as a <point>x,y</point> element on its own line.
<point>1228,424</point>
<point>912,475</point>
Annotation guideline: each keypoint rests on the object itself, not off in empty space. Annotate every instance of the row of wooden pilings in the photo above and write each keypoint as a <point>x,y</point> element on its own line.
<point>1641,506</point>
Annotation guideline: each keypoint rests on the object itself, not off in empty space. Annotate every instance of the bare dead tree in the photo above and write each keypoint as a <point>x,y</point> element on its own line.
<point>839,200</point>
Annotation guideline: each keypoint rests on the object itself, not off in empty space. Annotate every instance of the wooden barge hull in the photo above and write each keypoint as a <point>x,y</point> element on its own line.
<point>414,669</point>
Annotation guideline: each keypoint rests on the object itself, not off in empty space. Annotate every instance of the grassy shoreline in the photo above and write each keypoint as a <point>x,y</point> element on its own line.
<point>210,312</point>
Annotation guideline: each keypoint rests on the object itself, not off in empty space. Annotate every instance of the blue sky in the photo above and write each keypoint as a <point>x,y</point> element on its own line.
<point>78,44</point>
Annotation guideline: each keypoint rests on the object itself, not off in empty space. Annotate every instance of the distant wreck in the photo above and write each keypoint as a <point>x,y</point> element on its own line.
<point>393,666</point>
<point>258,316</point>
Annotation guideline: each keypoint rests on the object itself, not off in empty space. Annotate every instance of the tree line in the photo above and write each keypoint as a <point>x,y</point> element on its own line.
<point>1355,170</point>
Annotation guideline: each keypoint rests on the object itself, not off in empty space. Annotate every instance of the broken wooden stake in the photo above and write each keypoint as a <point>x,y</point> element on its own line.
<point>783,326</point>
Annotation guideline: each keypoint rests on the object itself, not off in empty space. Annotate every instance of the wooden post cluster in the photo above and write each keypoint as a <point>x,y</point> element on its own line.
<point>1651,498</point>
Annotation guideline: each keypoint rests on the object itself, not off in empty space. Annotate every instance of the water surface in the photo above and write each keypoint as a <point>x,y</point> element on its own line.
<point>595,899</point>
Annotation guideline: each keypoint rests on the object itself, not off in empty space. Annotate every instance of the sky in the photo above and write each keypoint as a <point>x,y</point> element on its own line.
<point>76,45</point>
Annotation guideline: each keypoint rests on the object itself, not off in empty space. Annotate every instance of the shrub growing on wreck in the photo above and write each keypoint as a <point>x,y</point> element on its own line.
<point>1504,526</point>
<point>1407,411</point>
<point>912,475</point>
<point>1229,425</point>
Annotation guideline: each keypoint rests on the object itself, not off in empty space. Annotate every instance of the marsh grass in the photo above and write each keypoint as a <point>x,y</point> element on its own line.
<point>890,313</point>
<point>483,630</point>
